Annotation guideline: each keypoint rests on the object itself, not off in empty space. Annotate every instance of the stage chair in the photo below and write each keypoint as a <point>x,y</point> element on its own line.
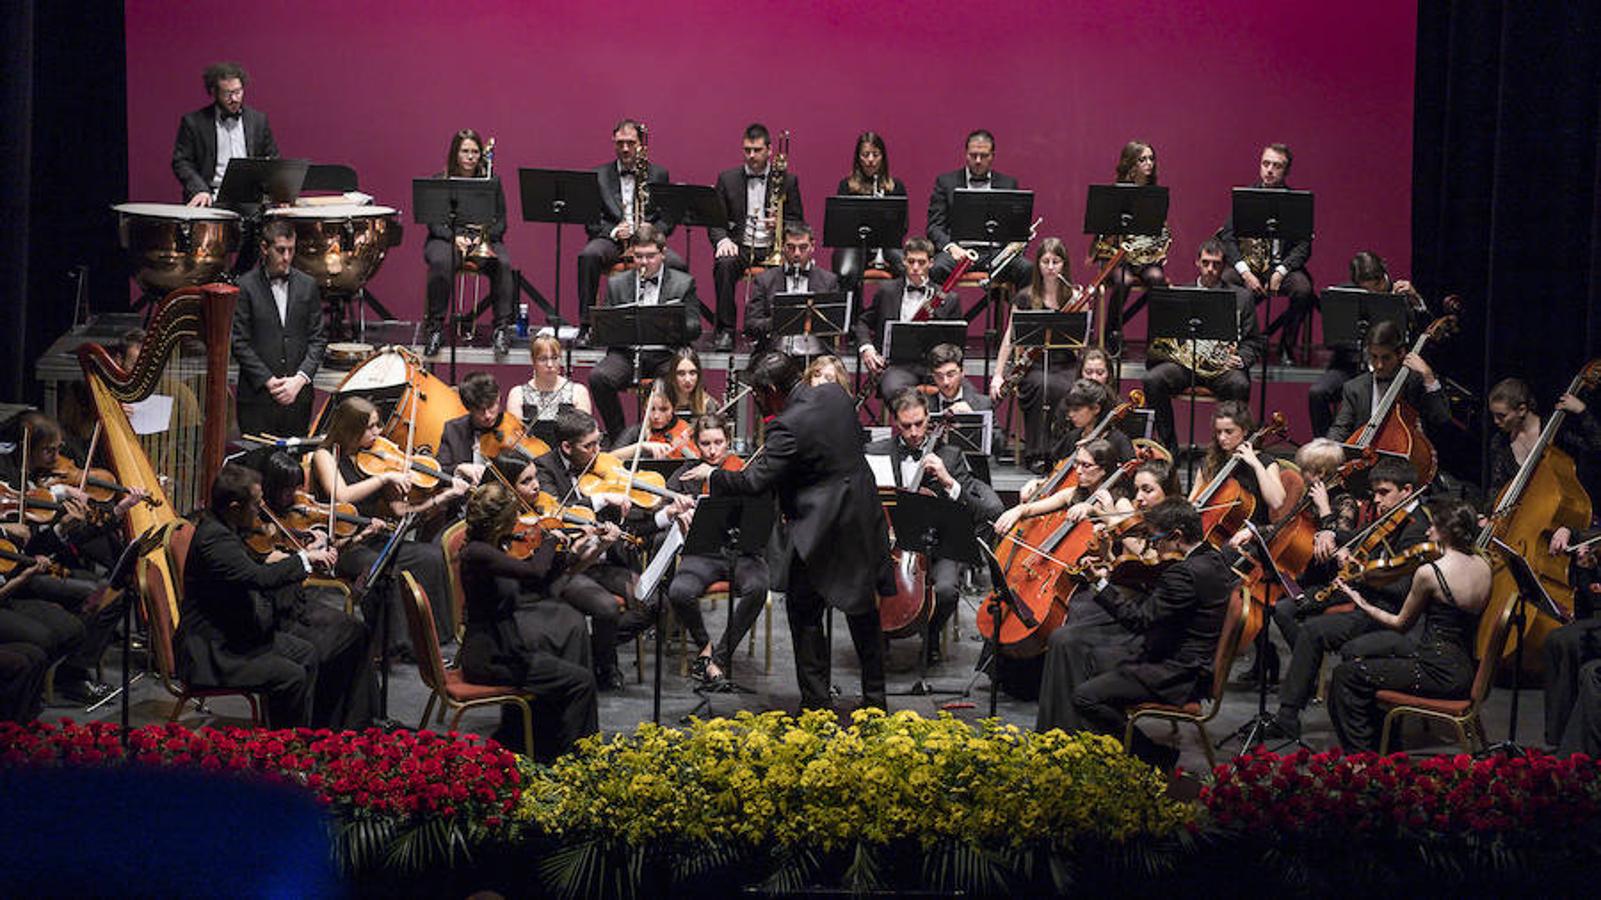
<point>1199,712</point>
<point>449,687</point>
<point>1461,712</point>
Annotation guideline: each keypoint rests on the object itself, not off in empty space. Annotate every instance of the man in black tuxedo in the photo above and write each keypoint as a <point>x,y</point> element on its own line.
<point>278,339</point>
<point>231,632</point>
<point>917,463</point>
<point>799,275</point>
<point>611,234</point>
<point>976,174</point>
<point>749,236</point>
<point>650,284</point>
<point>837,535</point>
<point>1388,355</point>
<point>952,390</point>
<point>224,129</point>
<point>458,440</point>
<point>1290,276</point>
<point>1179,624</point>
<point>899,301</point>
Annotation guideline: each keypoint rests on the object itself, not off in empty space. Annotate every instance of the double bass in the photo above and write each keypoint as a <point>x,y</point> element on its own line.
<point>1401,434</point>
<point>1545,495</point>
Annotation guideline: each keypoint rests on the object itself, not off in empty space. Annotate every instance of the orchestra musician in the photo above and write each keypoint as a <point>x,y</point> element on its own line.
<point>505,643</point>
<point>1249,258</point>
<point>662,434</point>
<point>1094,460</point>
<point>1386,355</point>
<point>869,177</point>
<point>748,239</point>
<point>918,462</point>
<point>685,389</point>
<point>1136,164</point>
<point>1355,633</point>
<point>1449,595</point>
<point>827,369</point>
<point>1042,388</point>
<point>459,453</point>
<point>609,236</point>
<point>1085,404</point>
<point>838,538</point>
<point>1232,423</point>
<point>278,339</point>
<point>34,635</point>
<point>1096,365</point>
<point>222,130</point>
<point>1227,367</point>
<point>1573,662</point>
<point>977,173</point>
<point>1368,272</point>
<point>649,284</point>
<point>951,389</point>
<point>549,390</point>
<point>1518,425</point>
<point>800,275</point>
<point>482,245</point>
<point>900,301</point>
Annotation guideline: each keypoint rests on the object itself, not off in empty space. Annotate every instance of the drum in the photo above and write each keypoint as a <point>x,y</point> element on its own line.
<point>394,380</point>
<point>341,244</point>
<point>173,246</point>
<point>346,354</point>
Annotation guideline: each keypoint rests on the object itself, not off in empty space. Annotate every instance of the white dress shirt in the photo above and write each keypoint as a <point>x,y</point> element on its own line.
<point>648,291</point>
<point>230,144</point>
<point>756,233</point>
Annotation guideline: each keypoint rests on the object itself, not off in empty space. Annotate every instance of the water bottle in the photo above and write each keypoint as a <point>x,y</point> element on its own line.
<point>522,320</point>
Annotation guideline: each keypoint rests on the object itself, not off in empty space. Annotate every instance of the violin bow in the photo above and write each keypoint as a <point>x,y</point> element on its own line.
<point>88,460</point>
<point>27,463</point>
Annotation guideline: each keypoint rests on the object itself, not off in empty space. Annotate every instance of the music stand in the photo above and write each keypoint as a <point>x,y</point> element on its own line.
<point>1047,330</point>
<point>970,432</point>
<point>1279,215</point>
<point>329,177</point>
<point>1193,314</point>
<point>730,527</point>
<point>251,182</point>
<point>657,326</point>
<point>993,218</point>
<point>1123,209</point>
<point>1530,591</point>
<point>939,528</point>
<point>689,205</point>
<point>864,223</point>
<point>561,197</point>
<point>1350,313</point>
<point>908,343</point>
<point>453,203</point>
<point>804,319</point>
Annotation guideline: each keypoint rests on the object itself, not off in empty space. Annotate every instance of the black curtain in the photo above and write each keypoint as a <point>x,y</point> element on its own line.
<point>64,152</point>
<point>1506,193</point>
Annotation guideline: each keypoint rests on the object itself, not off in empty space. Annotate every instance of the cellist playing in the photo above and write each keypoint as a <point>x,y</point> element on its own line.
<point>1387,354</point>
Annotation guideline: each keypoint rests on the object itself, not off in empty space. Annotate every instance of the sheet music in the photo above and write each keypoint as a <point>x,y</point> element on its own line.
<point>659,563</point>
<point>883,476</point>
<point>152,415</point>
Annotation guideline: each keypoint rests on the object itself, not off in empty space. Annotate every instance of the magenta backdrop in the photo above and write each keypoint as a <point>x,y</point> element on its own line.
<point>382,86</point>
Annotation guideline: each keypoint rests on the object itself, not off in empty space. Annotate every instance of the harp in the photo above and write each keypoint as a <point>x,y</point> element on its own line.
<point>185,356</point>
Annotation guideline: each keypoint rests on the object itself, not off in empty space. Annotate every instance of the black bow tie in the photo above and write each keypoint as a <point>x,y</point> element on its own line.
<point>973,180</point>
<point>275,278</point>
<point>917,289</point>
<point>752,176</point>
<point>652,280</point>
<point>224,114</point>
<point>795,272</point>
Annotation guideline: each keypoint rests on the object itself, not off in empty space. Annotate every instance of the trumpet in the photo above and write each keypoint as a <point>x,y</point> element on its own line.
<point>777,168</point>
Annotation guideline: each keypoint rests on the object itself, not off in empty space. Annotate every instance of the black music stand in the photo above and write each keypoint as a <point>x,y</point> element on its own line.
<point>1048,330</point>
<point>1193,314</point>
<point>970,433</point>
<point>691,206</point>
<point>865,223</point>
<point>1255,730</point>
<point>993,218</point>
<point>656,326</point>
<point>561,197</point>
<point>1350,313</point>
<point>122,575</point>
<point>1124,209</point>
<point>808,318</point>
<point>379,579</point>
<point>729,527</point>
<point>939,528</point>
<point>1530,592</point>
<point>1280,216</point>
<point>453,203</point>
<point>329,177</point>
<point>908,343</point>
<point>250,182</point>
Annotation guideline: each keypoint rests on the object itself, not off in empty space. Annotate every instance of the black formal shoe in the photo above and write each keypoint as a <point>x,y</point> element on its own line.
<point>585,339</point>
<point>1284,727</point>
<point>1265,665</point>
<point>501,341</point>
<point>85,691</point>
<point>723,342</point>
<point>609,681</point>
<point>436,339</point>
<point>1162,757</point>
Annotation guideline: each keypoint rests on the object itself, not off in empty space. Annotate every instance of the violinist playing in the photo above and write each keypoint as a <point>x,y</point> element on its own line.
<point>695,572</point>
<point>354,427</point>
<point>515,636</point>
<point>662,435</point>
<point>1352,633</point>
<point>458,441</point>
<point>917,461</point>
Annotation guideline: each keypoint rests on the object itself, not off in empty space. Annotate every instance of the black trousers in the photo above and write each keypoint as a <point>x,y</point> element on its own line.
<point>56,632</point>
<point>1297,286</point>
<point>99,625</point>
<point>726,274</point>
<point>594,593</point>
<point>345,694</point>
<point>263,415</point>
<point>615,373</point>
<point>1165,379</point>
<point>1351,634</point>
<point>599,255</point>
<point>1431,671</point>
<point>1567,650</point>
<point>1583,731</point>
<point>440,255</point>
<point>22,671</point>
<point>848,266</point>
<point>560,677</point>
<point>426,563</point>
<point>805,607</point>
<point>1039,396</point>
<point>287,675</point>
<point>749,585</point>
<point>1089,643</point>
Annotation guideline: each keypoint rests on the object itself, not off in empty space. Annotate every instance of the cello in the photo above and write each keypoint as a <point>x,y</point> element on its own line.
<point>1291,538</point>
<point>1545,495</point>
<point>1401,434</point>
<point>1224,503</point>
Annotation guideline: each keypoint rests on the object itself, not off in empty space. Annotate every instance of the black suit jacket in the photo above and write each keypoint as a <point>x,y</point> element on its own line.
<point>975,400</point>
<point>228,609</point>
<point>731,187</point>
<point>1356,405</point>
<point>611,201</point>
<point>1181,620</point>
<point>814,464</point>
<point>844,189</point>
<point>886,307</point>
<point>939,203</point>
<point>457,441</point>
<point>194,152</point>
<point>759,308</point>
<point>265,347</point>
<point>975,496</point>
<point>1292,257</point>
<point>676,287</point>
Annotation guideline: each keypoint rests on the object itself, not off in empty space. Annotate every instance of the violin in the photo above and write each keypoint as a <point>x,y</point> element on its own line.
<point>270,535</point>
<point>1360,550</point>
<point>308,513</point>
<point>553,515</point>
<point>530,533</point>
<point>679,438</point>
<point>38,505</point>
<point>609,475</point>
<point>508,437</point>
<point>1224,503</point>
<point>99,484</point>
<point>12,560</point>
<point>384,456</point>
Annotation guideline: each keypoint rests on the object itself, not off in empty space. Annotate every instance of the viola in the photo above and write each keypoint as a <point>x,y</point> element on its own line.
<point>99,484</point>
<point>508,437</point>
<point>529,534</point>
<point>609,475</point>
<point>12,560</point>
<point>1393,425</point>
<point>1225,504</point>
<point>270,535</point>
<point>384,456</point>
<point>554,516</point>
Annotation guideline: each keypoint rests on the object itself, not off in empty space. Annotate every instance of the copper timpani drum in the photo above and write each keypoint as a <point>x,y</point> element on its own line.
<point>173,246</point>
<point>394,379</point>
<point>342,244</point>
